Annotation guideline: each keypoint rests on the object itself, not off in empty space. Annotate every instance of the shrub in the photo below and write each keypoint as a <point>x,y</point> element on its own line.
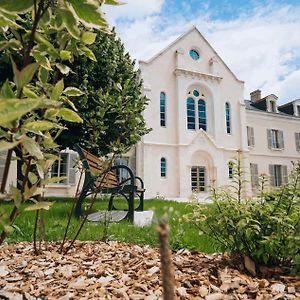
<point>265,228</point>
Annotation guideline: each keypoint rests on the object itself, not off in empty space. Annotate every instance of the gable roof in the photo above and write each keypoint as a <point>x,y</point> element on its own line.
<point>193,28</point>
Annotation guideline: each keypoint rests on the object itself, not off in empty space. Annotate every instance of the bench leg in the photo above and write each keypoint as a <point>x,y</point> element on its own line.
<point>110,203</point>
<point>130,214</point>
<point>79,203</point>
<point>141,204</point>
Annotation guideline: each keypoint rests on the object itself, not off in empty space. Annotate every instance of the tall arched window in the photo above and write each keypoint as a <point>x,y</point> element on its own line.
<point>202,114</point>
<point>162,109</point>
<point>190,107</point>
<point>228,117</point>
<point>163,167</point>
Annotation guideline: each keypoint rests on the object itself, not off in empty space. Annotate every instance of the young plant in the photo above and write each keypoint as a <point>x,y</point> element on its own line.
<point>38,39</point>
<point>265,228</point>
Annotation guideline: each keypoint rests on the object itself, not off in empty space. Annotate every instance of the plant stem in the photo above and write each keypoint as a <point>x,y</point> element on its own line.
<point>167,270</point>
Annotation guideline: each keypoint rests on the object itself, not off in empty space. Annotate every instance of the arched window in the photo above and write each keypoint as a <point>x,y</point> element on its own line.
<point>162,109</point>
<point>190,107</point>
<point>228,118</point>
<point>230,169</point>
<point>163,167</point>
<point>202,114</point>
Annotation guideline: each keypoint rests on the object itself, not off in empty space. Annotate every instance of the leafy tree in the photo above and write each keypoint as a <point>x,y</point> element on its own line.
<point>39,37</point>
<point>112,104</point>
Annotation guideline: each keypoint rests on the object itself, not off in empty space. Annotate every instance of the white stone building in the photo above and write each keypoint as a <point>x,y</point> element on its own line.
<point>200,119</point>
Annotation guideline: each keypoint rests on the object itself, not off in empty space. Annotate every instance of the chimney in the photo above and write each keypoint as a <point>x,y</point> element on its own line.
<point>255,96</point>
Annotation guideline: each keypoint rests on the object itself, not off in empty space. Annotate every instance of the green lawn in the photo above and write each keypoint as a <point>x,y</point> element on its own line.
<point>183,234</point>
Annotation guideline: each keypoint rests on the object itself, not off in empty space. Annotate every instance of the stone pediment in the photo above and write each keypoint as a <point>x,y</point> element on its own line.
<point>202,139</point>
<point>195,74</point>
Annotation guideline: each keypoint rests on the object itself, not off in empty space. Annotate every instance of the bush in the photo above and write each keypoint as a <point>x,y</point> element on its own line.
<point>265,228</point>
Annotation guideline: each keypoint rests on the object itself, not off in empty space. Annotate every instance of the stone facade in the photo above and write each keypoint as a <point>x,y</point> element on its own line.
<point>200,120</point>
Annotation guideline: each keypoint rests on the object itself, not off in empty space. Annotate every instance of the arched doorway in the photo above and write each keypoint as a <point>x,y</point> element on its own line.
<point>202,172</point>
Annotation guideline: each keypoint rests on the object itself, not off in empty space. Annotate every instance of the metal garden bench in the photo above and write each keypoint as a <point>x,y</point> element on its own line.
<point>100,180</point>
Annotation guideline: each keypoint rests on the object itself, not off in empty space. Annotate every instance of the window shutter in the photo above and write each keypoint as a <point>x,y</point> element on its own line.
<point>254,175</point>
<point>297,138</point>
<point>72,168</point>
<point>269,138</point>
<point>252,139</point>
<point>272,174</point>
<point>281,141</point>
<point>284,174</point>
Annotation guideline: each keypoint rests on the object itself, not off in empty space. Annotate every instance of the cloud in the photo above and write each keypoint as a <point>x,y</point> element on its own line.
<point>133,9</point>
<point>261,46</point>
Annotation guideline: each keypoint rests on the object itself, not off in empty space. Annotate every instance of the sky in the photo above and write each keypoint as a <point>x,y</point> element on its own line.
<point>258,40</point>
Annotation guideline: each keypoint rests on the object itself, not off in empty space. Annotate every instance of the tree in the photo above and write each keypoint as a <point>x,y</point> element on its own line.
<point>39,37</point>
<point>112,104</point>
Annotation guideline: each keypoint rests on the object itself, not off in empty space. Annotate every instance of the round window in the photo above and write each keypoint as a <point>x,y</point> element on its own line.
<point>196,93</point>
<point>194,54</point>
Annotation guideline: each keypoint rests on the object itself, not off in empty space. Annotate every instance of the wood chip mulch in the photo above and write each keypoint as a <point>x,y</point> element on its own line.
<point>113,270</point>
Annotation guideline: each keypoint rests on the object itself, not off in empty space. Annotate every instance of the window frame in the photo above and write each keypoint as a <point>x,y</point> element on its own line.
<point>193,116</point>
<point>192,54</point>
<point>163,167</point>
<point>275,139</point>
<point>202,124</point>
<point>198,112</point>
<point>278,175</point>
<point>70,170</point>
<point>228,118</point>
<point>162,113</point>
<point>201,181</point>
<point>230,169</point>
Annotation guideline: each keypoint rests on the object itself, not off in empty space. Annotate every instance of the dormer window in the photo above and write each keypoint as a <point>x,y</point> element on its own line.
<point>273,107</point>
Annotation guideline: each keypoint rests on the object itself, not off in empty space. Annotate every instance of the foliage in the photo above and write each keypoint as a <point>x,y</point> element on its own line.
<point>182,235</point>
<point>112,104</point>
<point>37,37</point>
<point>265,228</point>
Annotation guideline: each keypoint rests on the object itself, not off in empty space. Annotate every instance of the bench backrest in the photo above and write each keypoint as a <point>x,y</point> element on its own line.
<point>95,168</point>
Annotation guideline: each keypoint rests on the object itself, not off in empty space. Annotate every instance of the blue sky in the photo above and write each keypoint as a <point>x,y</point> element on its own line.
<point>260,42</point>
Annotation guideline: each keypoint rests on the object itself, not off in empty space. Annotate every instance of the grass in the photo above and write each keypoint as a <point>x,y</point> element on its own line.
<point>182,234</point>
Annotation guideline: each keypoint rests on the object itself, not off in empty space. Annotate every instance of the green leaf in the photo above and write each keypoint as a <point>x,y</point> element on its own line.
<point>29,93</point>
<point>70,23</point>
<point>57,90</point>
<point>24,76</point>
<point>42,60</point>
<point>4,145</point>
<point>54,180</point>
<point>13,109</point>
<point>88,53</point>
<point>88,14</point>
<point>39,205</point>
<point>19,6</point>
<point>6,91</point>
<point>33,148</point>
<point>72,91</point>
<point>63,69</point>
<point>65,55</point>
<point>69,115</point>
<point>17,196</point>
<point>114,2</point>
<point>40,126</point>
<point>43,75</point>
<point>88,38</point>
<point>32,178</point>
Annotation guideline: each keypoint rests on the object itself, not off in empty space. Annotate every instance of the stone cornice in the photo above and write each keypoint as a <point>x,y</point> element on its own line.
<point>185,72</point>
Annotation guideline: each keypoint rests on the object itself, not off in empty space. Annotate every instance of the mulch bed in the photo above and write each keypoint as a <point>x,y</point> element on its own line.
<point>113,270</point>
